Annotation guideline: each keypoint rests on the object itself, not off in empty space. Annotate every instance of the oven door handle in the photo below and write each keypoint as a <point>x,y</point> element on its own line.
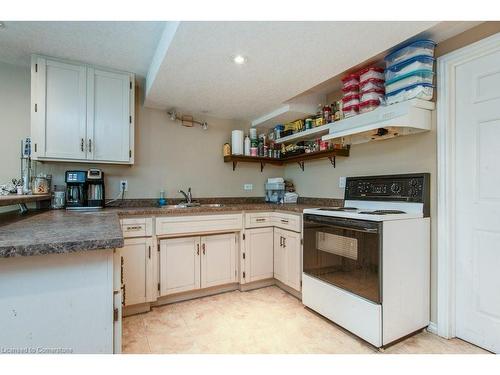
<point>346,227</point>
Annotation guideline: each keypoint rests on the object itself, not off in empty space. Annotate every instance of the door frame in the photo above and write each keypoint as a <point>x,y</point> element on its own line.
<point>446,174</point>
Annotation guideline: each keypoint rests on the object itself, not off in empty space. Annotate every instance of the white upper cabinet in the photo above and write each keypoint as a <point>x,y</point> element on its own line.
<point>81,112</point>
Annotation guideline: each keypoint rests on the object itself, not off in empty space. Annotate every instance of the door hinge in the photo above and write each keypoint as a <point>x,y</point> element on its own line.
<point>243,236</point>
<point>115,315</point>
<point>36,147</point>
<point>130,85</point>
<point>158,286</point>
<point>301,241</point>
<point>130,119</point>
<point>36,68</point>
<point>244,274</point>
<point>244,256</point>
<point>158,247</point>
<point>36,107</point>
<point>129,153</point>
<point>300,282</point>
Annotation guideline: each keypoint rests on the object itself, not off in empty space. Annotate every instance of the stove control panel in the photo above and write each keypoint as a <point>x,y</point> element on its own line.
<point>407,188</point>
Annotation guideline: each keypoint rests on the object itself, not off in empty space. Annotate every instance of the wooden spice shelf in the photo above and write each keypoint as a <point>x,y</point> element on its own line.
<point>299,159</point>
<point>11,199</point>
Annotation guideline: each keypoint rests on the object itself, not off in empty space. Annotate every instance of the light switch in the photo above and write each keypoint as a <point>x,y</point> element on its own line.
<point>248,187</point>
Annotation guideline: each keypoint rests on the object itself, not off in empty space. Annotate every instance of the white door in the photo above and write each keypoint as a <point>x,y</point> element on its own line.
<point>61,109</point>
<point>108,115</point>
<point>135,270</point>
<point>179,265</point>
<point>259,263</point>
<point>218,264</point>
<point>291,246</point>
<point>478,201</point>
<point>279,256</point>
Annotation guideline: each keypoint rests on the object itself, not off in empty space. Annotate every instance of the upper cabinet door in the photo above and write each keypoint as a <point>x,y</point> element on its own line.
<point>109,117</point>
<point>60,109</point>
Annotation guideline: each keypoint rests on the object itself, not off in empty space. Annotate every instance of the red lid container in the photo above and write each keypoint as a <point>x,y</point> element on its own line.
<point>350,80</point>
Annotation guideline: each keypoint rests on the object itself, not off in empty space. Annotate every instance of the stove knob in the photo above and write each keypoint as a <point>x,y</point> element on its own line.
<point>395,188</point>
<point>412,192</point>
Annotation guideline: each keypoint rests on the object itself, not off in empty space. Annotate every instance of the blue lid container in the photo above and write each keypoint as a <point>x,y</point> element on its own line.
<point>407,51</point>
<point>420,62</point>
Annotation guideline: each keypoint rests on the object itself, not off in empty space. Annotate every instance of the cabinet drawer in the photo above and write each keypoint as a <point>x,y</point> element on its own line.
<point>258,219</point>
<point>198,224</point>
<point>140,227</point>
<point>287,221</point>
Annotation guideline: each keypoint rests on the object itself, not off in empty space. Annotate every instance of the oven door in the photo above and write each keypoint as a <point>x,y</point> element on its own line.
<point>345,253</point>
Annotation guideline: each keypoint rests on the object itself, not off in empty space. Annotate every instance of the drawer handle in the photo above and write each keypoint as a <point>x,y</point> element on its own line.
<point>284,221</point>
<point>197,249</point>
<point>203,248</point>
<point>260,220</point>
<point>281,241</point>
<point>136,227</point>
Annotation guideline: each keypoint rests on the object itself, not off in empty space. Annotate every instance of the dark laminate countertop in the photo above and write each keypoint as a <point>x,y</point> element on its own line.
<point>57,232</point>
<point>62,231</point>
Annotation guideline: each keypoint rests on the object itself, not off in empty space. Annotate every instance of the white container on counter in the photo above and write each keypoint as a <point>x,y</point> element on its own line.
<point>247,146</point>
<point>237,142</point>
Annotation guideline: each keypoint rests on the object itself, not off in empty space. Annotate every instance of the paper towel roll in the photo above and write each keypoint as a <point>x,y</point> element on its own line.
<point>237,142</point>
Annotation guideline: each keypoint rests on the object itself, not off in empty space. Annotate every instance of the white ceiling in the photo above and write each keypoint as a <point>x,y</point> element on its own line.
<point>284,60</point>
<point>120,45</point>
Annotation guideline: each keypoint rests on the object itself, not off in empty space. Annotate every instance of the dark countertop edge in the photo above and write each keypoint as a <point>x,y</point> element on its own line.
<point>66,247</point>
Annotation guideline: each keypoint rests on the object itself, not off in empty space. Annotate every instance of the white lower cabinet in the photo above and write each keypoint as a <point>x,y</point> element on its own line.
<point>218,261</point>
<point>179,265</point>
<point>190,263</point>
<point>287,257</point>
<point>136,270</point>
<point>259,254</point>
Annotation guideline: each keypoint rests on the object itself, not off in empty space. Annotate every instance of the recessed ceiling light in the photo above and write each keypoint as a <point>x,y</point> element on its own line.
<point>239,59</point>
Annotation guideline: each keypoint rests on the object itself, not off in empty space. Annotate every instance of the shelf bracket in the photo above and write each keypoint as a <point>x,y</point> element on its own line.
<point>301,165</point>
<point>234,164</point>
<point>332,160</point>
<point>262,164</point>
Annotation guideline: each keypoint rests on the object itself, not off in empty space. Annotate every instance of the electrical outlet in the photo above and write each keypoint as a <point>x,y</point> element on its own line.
<point>248,187</point>
<point>124,183</point>
<point>342,182</point>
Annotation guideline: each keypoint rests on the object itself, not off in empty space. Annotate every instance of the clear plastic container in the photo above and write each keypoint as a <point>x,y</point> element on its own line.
<point>368,106</point>
<point>350,100</point>
<point>371,84</point>
<point>421,62</point>
<point>373,94</point>
<point>371,72</point>
<point>351,90</point>
<point>350,80</point>
<point>422,47</point>
<point>422,91</point>
<point>350,111</point>
<point>413,78</point>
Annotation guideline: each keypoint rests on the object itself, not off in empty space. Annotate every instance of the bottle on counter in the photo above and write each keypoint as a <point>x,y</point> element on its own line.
<point>162,201</point>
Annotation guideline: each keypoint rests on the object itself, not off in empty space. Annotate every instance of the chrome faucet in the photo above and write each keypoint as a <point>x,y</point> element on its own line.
<point>188,196</point>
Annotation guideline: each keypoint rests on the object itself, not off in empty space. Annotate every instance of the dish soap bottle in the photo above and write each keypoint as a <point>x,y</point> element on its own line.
<point>162,201</point>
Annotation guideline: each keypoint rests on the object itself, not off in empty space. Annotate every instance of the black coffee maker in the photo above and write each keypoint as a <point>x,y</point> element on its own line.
<point>84,189</point>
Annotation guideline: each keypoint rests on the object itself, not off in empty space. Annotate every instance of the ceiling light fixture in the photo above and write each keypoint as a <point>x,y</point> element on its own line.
<point>239,59</point>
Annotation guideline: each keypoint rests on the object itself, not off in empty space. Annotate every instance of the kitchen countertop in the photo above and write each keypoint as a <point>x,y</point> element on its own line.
<point>10,199</point>
<point>62,231</point>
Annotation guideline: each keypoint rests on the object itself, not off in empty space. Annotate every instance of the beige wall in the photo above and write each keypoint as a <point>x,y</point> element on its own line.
<point>168,155</point>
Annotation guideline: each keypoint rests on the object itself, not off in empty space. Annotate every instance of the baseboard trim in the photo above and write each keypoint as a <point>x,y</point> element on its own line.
<point>136,309</point>
<point>198,293</point>
<point>289,290</point>
<point>432,328</point>
<point>257,285</point>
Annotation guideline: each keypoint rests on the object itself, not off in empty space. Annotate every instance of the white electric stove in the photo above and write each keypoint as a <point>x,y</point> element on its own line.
<point>366,266</point>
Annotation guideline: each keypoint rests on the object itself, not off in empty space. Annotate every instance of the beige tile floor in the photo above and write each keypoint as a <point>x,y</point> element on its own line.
<point>266,320</point>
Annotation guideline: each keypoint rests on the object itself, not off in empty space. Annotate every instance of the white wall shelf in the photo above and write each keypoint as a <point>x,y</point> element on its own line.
<point>405,118</point>
<point>284,114</point>
<point>306,134</point>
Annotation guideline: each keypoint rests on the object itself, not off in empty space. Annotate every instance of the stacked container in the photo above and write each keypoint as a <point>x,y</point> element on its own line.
<point>409,72</point>
<point>371,85</point>
<point>350,100</point>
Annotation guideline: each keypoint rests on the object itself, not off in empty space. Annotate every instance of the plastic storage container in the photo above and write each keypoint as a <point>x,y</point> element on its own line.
<point>368,106</point>
<point>350,100</point>
<point>422,47</point>
<point>350,111</point>
<point>373,94</point>
<point>351,90</point>
<point>371,72</point>
<point>421,62</point>
<point>350,81</point>
<point>372,83</point>
<point>423,91</point>
<point>420,76</point>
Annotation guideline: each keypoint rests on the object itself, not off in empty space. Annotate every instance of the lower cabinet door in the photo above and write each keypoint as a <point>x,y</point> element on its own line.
<point>134,255</point>
<point>259,262</point>
<point>280,271</point>
<point>179,265</point>
<point>291,246</point>
<point>218,260</point>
